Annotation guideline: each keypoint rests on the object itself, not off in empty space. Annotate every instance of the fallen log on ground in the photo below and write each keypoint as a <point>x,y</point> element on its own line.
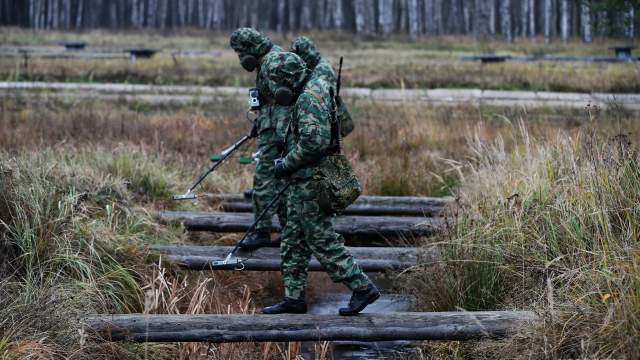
<point>363,199</point>
<point>370,226</point>
<point>370,259</point>
<point>356,209</point>
<point>288,327</point>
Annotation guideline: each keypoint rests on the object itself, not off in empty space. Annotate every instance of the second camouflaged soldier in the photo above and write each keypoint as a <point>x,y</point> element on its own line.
<point>319,67</point>
<point>251,47</point>
<point>309,230</point>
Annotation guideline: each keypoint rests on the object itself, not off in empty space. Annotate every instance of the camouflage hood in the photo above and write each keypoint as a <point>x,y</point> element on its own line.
<point>284,69</point>
<point>251,42</point>
<point>306,49</point>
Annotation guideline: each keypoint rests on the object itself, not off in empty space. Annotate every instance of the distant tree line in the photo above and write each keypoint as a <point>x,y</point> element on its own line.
<point>506,18</point>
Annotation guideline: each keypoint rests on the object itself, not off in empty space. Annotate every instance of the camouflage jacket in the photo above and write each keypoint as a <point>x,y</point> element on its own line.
<point>309,133</point>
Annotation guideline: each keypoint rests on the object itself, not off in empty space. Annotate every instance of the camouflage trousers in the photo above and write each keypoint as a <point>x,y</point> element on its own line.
<point>272,124</point>
<point>310,231</point>
<point>266,187</point>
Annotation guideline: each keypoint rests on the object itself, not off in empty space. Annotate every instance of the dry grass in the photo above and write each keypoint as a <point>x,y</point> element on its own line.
<point>551,225</point>
<point>375,62</point>
<point>79,180</point>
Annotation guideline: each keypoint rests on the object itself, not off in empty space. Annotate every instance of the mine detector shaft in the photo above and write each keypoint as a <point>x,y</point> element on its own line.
<point>254,109</point>
<point>238,263</point>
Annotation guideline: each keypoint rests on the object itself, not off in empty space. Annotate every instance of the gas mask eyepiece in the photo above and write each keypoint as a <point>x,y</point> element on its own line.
<point>284,96</point>
<point>249,62</point>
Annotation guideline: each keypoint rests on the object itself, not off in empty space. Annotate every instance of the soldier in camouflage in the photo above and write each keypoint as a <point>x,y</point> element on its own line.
<point>321,68</point>
<point>251,47</point>
<point>309,230</point>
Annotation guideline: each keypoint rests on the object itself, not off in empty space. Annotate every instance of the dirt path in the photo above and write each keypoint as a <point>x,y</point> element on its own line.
<point>189,94</point>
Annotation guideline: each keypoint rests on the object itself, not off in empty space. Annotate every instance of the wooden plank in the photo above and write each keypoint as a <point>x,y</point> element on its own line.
<point>370,259</point>
<point>366,226</point>
<point>289,327</point>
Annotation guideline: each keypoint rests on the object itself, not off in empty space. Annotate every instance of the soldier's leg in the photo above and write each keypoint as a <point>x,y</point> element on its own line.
<point>265,189</point>
<point>325,244</point>
<point>294,251</point>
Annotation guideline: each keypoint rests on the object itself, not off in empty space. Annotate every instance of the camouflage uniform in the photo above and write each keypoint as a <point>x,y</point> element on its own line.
<point>309,230</point>
<point>321,68</point>
<point>271,124</point>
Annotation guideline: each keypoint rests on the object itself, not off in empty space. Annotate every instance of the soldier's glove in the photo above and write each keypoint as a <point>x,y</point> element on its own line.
<point>279,170</point>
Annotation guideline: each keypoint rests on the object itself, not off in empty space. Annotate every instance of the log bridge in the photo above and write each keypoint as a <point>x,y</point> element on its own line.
<point>305,327</point>
<point>370,259</point>
<point>364,205</point>
<point>365,226</point>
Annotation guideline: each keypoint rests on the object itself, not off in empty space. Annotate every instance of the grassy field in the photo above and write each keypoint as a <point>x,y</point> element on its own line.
<point>369,62</point>
<point>548,220</point>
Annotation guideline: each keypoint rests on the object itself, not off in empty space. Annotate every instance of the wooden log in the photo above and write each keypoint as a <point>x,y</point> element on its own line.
<point>356,209</point>
<point>370,259</point>
<point>417,201</point>
<point>288,327</point>
<point>366,226</point>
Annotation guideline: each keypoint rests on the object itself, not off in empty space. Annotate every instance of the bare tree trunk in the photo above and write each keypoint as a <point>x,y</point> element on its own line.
<point>113,15</point>
<point>429,17</point>
<point>493,18</point>
<point>565,10</point>
<point>319,14</point>
<point>413,19</point>
<point>359,14</point>
<point>630,19</point>
<point>385,15</point>
<point>292,15</point>
<point>281,13</point>
<point>482,18</point>
<point>547,21</point>
<point>532,17</point>
<point>438,16</point>
<point>201,12</point>
<point>524,18</point>
<point>338,15</point>
<point>79,14</point>
<point>505,16</point>
<point>466,13</point>
<point>587,34</point>
<point>305,15</point>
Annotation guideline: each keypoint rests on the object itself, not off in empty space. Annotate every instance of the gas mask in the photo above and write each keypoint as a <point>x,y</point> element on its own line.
<point>248,62</point>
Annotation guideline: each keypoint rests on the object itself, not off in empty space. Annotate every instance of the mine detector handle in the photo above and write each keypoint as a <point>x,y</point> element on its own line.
<point>339,82</point>
<point>224,156</point>
<point>238,263</point>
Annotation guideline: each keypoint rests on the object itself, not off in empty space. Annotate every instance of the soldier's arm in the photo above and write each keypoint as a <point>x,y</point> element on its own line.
<point>314,130</point>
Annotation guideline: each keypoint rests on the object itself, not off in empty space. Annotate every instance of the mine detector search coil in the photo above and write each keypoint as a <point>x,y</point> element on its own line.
<point>237,263</point>
<point>224,155</point>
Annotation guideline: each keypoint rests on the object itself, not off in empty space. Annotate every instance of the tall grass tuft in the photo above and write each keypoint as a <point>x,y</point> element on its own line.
<point>551,225</point>
<point>72,244</point>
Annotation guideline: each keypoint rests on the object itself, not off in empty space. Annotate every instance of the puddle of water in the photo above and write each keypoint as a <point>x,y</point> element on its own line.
<point>333,298</point>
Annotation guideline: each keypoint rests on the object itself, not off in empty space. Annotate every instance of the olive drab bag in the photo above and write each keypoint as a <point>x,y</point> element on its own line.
<point>336,182</point>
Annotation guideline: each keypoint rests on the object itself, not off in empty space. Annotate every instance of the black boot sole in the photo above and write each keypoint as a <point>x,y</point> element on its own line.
<point>285,312</point>
<point>356,311</point>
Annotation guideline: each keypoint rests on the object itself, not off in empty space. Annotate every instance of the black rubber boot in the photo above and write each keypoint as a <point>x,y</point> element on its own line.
<point>256,240</point>
<point>287,306</point>
<point>360,300</point>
